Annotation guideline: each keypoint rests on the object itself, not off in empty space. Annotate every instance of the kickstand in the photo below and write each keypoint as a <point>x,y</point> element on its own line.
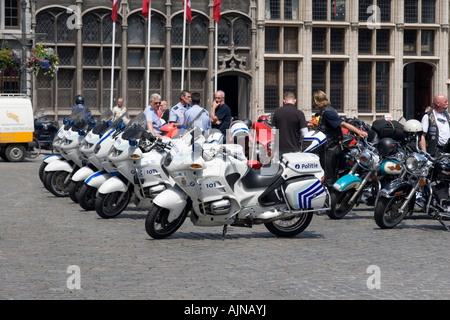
<point>442,222</point>
<point>224,231</point>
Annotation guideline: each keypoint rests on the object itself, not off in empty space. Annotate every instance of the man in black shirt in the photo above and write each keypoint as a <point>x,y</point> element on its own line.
<point>291,124</point>
<point>220,113</point>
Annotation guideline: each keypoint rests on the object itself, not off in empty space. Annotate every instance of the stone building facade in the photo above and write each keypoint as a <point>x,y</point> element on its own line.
<point>372,57</point>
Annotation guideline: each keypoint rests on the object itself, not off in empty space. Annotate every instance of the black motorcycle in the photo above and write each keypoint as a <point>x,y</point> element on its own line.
<point>425,183</point>
<point>44,129</point>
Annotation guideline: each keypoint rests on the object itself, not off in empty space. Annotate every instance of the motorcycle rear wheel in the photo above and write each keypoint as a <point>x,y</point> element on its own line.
<point>290,227</point>
<point>386,212</point>
<point>339,203</point>
<point>86,197</point>
<point>54,182</point>
<point>156,223</point>
<point>108,205</point>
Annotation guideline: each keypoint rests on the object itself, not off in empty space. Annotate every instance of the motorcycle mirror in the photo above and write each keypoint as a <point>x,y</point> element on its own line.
<point>122,126</point>
<point>81,132</point>
<point>64,120</point>
<point>92,123</point>
<point>108,124</point>
<point>132,142</point>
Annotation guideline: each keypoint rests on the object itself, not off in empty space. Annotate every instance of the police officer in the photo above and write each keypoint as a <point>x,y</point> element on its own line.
<point>196,115</point>
<point>79,106</point>
<point>176,115</point>
<point>436,127</point>
<point>331,124</point>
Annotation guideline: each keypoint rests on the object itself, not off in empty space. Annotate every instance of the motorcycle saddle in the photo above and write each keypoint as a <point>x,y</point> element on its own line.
<point>258,178</point>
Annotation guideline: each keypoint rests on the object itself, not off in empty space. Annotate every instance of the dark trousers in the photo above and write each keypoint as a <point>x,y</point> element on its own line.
<point>329,160</point>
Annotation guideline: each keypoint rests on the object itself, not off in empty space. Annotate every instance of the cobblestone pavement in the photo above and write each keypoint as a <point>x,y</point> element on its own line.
<point>41,236</point>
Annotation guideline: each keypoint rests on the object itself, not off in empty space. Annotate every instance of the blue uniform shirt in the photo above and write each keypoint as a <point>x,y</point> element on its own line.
<point>177,113</point>
<point>153,117</point>
<point>202,122</point>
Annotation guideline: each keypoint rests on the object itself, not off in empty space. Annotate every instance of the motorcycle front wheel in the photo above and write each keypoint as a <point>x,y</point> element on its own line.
<point>55,183</point>
<point>110,205</point>
<point>387,214</point>
<point>157,224</point>
<point>290,227</point>
<point>340,203</point>
<point>42,171</point>
<point>74,189</point>
<point>86,197</point>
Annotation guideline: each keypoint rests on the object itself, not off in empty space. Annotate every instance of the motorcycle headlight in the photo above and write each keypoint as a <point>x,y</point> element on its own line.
<point>411,163</point>
<point>415,162</point>
<point>354,153</point>
<point>365,158</point>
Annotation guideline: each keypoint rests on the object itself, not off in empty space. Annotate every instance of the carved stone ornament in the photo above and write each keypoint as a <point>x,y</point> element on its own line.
<point>233,62</point>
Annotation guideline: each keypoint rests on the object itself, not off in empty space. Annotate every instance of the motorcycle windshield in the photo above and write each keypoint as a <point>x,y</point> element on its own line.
<point>136,127</point>
<point>103,122</point>
<point>123,119</point>
<point>81,121</point>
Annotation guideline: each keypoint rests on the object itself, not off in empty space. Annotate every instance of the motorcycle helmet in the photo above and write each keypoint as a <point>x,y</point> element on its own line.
<point>386,147</point>
<point>412,126</point>
<point>248,122</point>
<point>238,128</point>
<point>79,99</point>
<point>263,118</point>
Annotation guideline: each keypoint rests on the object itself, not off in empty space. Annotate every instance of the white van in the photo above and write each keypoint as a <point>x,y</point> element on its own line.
<point>16,126</point>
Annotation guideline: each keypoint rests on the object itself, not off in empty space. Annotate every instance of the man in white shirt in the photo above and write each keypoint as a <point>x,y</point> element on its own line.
<point>119,109</point>
<point>436,126</point>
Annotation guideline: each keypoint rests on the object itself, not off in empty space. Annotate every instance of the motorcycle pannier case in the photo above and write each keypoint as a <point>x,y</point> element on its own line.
<point>302,162</point>
<point>305,193</point>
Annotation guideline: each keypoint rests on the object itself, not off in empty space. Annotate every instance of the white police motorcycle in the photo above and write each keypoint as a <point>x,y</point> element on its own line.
<point>219,188</point>
<point>58,173</point>
<point>141,175</point>
<point>87,193</point>
<point>90,162</point>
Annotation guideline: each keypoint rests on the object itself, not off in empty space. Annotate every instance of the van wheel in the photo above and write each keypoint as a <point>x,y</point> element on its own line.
<point>15,152</point>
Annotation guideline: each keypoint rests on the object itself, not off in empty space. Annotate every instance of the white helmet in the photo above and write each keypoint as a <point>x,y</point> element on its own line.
<point>412,126</point>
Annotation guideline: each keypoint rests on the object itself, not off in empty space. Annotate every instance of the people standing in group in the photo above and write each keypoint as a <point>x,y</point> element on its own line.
<point>119,109</point>
<point>220,113</point>
<point>176,115</point>
<point>436,127</point>
<point>154,123</point>
<point>197,116</point>
<point>331,125</point>
<point>165,111</point>
<point>291,124</point>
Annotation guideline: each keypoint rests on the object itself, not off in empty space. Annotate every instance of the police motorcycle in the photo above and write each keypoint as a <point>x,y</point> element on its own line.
<point>105,169</point>
<point>90,162</point>
<point>141,175</point>
<point>424,184</point>
<point>58,173</point>
<point>67,123</point>
<point>219,188</point>
<point>375,164</point>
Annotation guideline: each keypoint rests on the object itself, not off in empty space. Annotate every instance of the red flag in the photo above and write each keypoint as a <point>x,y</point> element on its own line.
<point>114,10</point>
<point>188,11</point>
<point>216,11</point>
<point>145,6</point>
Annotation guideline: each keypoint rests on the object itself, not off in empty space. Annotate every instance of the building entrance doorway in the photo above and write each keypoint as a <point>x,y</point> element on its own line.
<point>417,89</point>
<point>236,90</point>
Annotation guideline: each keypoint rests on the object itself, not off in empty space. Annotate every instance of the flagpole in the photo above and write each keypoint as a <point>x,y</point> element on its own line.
<point>215,59</point>
<point>147,85</point>
<point>112,63</point>
<point>184,44</point>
